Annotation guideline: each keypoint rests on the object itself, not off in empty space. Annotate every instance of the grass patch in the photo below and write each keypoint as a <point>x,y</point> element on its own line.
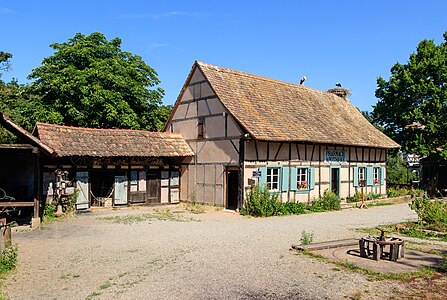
<point>411,229</point>
<point>380,204</point>
<point>378,276</point>
<point>159,214</point>
<point>92,295</point>
<point>8,259</point>
<point>195,208</point>
<point>105,286</point>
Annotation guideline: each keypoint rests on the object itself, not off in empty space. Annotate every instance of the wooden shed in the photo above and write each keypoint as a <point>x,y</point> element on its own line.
<point>246,129</point>
<point>115,166</point>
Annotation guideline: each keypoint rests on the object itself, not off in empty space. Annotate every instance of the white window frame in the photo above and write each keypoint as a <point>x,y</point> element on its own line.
<point>361,175</point>
<point>376,176</point>
<point>302,178</point>
<point>270,179</point>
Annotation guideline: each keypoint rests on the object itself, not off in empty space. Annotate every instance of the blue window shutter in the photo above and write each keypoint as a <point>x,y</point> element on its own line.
<point>293,174</point>
<point>382,175</point>
<point>284,179</point>
<point>311,178</point>
<point>356,176</point>
<point>263,178</point>
<point>369,176</point>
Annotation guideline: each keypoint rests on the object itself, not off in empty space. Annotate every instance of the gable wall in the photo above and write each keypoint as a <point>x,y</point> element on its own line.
<point>204,177</point>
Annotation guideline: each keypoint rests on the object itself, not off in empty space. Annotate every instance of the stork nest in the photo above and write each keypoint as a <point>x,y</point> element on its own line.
<point>341,92</point>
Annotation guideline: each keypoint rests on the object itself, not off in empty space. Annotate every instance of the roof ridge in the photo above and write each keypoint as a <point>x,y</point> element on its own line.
<point>115,129</point>
<point>251,75</point>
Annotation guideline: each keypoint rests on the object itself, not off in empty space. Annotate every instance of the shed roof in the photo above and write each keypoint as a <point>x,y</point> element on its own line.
<point>23,134</point>
<point>78,141</point>
<point>274,110</point>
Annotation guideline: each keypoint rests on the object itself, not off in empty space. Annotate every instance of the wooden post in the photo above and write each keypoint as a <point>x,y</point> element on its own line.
<point>35,221</point>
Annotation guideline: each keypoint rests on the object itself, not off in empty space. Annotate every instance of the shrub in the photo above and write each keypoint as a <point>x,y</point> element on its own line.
<point>357,197</point>
<point>260,203</point>
<point>397,192</point>
<point>329,201</point>
<point>291,208</point>
<point>373,196</point>
<point>8,259</point>
<point>49,211</point>
<point>430,212</point>
<point>306,238</point>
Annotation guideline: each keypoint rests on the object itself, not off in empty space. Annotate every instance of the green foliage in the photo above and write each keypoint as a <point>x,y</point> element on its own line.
<point>293,208</point>
<point>329,201</point>
<point>90,82</point>
<point>398,192</point>
<point>8,259</point>
<point>412,105</point>
<point>260,203</point>
<point>430,212</point>
<point>306,238</point>
<point>357,197</point>
<point>397,170</point>
<point>4,63</point>
<point>49,211</point>
<point>373,196</point>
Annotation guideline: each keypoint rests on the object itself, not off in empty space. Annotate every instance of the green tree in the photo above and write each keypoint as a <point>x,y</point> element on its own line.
<point>413,103</point>
<point>4,61</point>
<point>397,171</point>
<point>90,82</point>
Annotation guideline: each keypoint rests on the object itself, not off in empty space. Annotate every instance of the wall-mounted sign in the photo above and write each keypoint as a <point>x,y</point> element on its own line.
<point>334,156</point>
<point>256,174</point>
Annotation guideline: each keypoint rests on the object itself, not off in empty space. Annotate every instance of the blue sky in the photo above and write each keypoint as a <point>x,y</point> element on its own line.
<point>352,42</point>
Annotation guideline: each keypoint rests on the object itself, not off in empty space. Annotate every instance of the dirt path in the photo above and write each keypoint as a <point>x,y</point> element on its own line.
<point>216,255</point>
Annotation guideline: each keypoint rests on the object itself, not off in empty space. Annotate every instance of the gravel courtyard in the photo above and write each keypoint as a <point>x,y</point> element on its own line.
<point>214,255</point>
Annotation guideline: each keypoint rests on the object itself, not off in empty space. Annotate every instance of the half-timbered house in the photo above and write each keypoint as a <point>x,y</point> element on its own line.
<point>114,166</point>
<point>246,129</point>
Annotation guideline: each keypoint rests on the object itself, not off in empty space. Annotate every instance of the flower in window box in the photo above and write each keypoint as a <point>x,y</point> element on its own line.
<point>376,181</point>
<point>302,185</point>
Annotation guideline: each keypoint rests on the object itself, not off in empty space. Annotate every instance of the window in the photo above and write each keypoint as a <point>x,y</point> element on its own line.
<point>137,181</point>
<point>200,128</point>
<point>273,178</point>
<point>362,176</point>
<point>302,182</point>
<point>376,175</point>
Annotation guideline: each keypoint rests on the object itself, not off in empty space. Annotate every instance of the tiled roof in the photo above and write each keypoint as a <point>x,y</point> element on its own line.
<point>273,110</point>
<point>24,135</point>
<point>77,141</point>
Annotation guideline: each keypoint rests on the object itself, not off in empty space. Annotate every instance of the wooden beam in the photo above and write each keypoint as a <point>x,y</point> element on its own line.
<point>313,150</point>
<point>18,204</point>
<point>277,152</point>
<point>268,151</point>
<point>256,149</point>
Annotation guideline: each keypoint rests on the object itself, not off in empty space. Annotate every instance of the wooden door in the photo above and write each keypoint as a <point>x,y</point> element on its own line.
<point>120,196</point>
<point>153,187</point>
<point>82,185</point>
<point>232,188</point>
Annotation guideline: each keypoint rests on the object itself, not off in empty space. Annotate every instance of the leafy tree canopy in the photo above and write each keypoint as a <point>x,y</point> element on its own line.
<point>413,103</point>
<point>4,63</point>
<point>90,82</point>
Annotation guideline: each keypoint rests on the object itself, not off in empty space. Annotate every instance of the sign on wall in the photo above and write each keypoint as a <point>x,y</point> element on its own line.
<point>334,156</point>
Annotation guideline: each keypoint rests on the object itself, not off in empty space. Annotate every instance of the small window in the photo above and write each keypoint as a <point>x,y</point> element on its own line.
<point>200,128</point>
<point>376,175</point>
<point>362,176</point>
<point>273,178</point>
<point>302,176</point>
